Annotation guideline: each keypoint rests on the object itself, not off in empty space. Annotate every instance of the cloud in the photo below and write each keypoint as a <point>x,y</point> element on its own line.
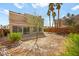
<point>19,5</point>
<point>4,11</point>
<point>36,5</point>
<point>76,7</point>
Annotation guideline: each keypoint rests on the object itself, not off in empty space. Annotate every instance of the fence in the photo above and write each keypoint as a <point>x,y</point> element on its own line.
<point>58,30</point>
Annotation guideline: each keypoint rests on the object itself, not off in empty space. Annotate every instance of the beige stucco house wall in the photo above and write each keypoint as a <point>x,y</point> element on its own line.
<point>25,23</point>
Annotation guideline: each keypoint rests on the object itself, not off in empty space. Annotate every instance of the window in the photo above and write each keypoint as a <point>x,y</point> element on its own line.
<point>17,29</point>
<point>26,30</point>
<point>14,28</point>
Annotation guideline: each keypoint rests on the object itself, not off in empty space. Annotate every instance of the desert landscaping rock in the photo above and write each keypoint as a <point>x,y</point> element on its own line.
<point>50,45</point>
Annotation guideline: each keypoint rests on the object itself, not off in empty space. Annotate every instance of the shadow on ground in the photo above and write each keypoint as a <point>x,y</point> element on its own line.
<point>33,36</point>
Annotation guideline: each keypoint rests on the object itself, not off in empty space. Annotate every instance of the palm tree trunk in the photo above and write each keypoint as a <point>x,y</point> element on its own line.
<point>49,21</point>
<point>54,22</point>
<point>58,24</point>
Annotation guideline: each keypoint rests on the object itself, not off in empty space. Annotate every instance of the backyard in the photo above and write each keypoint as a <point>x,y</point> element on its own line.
<point>40,32</point>
<point>51,44</point>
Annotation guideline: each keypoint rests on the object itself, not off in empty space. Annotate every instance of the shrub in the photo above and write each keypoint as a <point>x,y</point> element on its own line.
<point>12,37</point>
<point>72,45</point>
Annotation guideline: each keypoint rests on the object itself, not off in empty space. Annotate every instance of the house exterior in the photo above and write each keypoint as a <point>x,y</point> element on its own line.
<point>75,18</point>
<point>62,23</point>
<point>25,23</point>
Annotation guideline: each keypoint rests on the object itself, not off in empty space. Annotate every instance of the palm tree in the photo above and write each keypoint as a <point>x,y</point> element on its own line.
<point>54,14</point>
<point>51,8</point>
<point>48,13</point>
<point>58,6</point>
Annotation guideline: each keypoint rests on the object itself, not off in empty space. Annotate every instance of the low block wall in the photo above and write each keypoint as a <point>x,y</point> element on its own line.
<point>58,30</point>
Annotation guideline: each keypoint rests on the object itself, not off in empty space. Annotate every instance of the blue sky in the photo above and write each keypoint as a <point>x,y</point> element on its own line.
<point>36,9</point>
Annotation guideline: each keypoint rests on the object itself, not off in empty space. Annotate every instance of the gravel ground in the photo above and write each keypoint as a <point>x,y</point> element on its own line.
<point>50,44</point>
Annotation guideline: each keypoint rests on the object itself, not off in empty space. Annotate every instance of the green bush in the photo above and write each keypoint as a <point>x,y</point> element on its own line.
<point>12,37</point>
<point>72,45</point>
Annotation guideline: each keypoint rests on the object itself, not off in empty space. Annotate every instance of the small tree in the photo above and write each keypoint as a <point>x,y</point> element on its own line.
<point>68,14</point>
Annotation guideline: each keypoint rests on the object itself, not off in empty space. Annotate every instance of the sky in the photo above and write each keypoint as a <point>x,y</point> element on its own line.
<point>35,9</point>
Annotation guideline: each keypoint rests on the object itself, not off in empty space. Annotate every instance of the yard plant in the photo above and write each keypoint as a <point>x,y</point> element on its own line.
<point>72,45</point>
<point>12,37</point>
